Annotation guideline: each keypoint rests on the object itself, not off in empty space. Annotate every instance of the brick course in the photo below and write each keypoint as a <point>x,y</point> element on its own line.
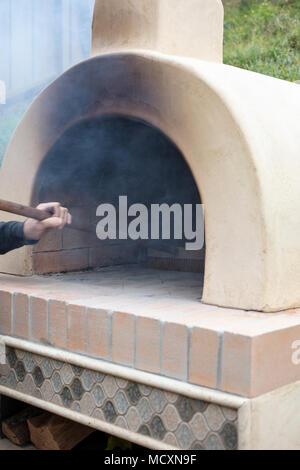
<point>20,314</point>
<point>99,333</point>
<point>77,328</point>
<point>5,312</point>
<point>39,319</point>
<point>58,323</point>
<point>60,261</point>
<point>123,330</point>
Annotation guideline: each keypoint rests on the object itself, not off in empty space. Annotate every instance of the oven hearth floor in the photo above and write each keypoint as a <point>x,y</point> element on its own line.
<point>117,283</point>
<point>134,281</point>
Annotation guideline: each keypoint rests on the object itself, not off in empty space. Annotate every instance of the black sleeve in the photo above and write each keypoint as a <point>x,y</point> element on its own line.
<point>12,236</point>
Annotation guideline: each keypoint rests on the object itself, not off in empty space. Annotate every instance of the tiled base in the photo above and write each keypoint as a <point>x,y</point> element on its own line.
<point>176,420</point>
<point>153,321</point>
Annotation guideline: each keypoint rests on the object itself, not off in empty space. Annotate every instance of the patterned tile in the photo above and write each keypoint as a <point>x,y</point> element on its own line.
<point>171,397</point>
<point>98,414</point>
<point>11,357</point>
<point>184,436</point>
<point>77,370</point>
<point>56,399</point>
<point>98,377</point>
<point>214,417</point>
<point>76,406</point>
<point>157,427</point>
<point>67,374</point>
<point>133,419</point>
<point>198,446</point>
<point>3,380</point>
<point>178,421</point>
<point>66,397</point>
<point>98,395</point>
<point>144,409</point>
<point>121,422</point>
<point>77,389</point>
<point>47,368</point>
<point>57,364</point>
<point>88,380</point>
<point>29,384</point>
<point>122,383</point>
<point>199,405</point>
<point>133,393</point>
<point>38,376</point>
<point>229,436</point>
<point>20,387</point>
<point>37,394</point>
<point>213,443</point>
<point>199,427</point>
<point>158,400</point>
<point>229,414</point>
<point>47,390</point>
<point>144,430</point>
<point>145,390</point>
<point>57,383</point>
<point>20,354</point>
<point>170,439</point>
<point>109,412</point>
<point>20,371</point>
<point>37,359</point>
<point>171,418</point>
<point>185,408</point>
<point>121,402</point>
<point>28,362</point>
<point>110,386</point>
<point>87,404</point>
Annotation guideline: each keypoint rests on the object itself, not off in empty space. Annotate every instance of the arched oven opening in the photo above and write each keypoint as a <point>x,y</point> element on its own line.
<point>101,168</point>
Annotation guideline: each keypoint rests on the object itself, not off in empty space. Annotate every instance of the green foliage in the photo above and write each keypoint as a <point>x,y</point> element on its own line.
<point>264,36</point>
<point>115,443</point>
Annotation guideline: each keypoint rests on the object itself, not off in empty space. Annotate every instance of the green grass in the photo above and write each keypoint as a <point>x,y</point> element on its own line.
<point>264,36</point>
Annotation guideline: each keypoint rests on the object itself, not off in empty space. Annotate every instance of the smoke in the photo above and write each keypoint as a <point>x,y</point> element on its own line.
<point>103,158</point>
<point>97,160</point>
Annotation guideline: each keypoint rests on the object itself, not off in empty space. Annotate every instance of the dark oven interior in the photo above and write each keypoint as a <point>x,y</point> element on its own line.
<point>95,162</point>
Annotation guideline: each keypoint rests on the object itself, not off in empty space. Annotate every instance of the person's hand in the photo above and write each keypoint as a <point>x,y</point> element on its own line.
<point>34,230</point>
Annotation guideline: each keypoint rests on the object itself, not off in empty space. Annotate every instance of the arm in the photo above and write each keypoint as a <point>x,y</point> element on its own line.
<point>12,236</point>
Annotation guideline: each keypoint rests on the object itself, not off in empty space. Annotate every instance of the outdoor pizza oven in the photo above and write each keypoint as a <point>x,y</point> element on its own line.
<point>156,100</point>
<point>154,117</point>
